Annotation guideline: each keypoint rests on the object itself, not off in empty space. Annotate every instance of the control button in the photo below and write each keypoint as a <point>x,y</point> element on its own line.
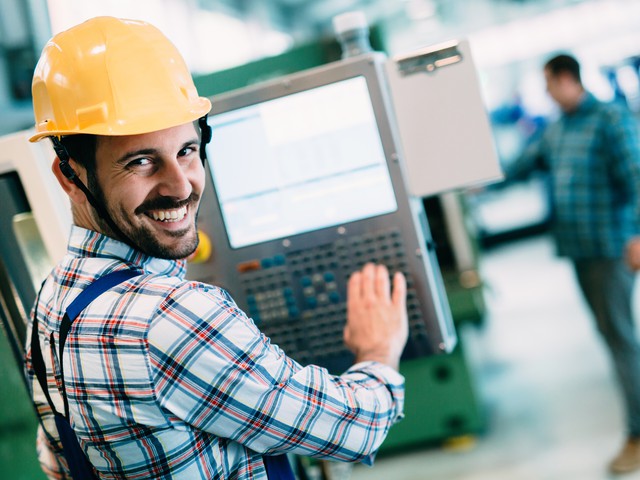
<point>267,262</point>
<point>334,296</point>
<point>279,259</point>
<point>248,266</point>
<point>306,281</point>
<point>203,250</point>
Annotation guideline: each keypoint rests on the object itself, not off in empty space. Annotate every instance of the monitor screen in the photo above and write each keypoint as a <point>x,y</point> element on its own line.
<point>299,163</point>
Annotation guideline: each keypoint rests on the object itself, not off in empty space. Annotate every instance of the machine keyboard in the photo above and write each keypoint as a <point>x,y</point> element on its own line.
<point>298,299</point>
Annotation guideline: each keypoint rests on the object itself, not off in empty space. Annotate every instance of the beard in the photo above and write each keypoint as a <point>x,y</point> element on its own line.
<point>144,238</point>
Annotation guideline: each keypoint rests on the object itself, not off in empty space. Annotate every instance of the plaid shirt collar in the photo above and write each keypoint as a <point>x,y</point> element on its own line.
<point>87,243</point>
<point>587,103</point>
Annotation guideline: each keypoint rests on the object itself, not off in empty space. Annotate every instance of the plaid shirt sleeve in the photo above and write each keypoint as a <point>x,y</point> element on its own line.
<point>532,158</point>
<point>214,370</point>
<point>49,461</point>
<point>622,143</point>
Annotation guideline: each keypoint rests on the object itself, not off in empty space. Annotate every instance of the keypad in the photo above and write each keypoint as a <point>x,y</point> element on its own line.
<point>298,299</point>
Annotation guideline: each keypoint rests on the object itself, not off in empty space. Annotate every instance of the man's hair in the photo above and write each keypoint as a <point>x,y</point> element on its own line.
<point>82,148</point>
<point>564,64</point>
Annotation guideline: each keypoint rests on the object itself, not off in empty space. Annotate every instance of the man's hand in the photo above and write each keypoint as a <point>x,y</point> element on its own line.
<point>632,253</point>
<point>377,326</point>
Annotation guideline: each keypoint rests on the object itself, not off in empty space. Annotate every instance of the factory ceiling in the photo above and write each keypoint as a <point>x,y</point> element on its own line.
<point>311,18</point>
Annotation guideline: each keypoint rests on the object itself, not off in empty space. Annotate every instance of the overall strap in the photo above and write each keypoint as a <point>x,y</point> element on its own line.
<point>88,295</point>
<point>278,467</point>
<point>85,297</point>
<point>36,355</point>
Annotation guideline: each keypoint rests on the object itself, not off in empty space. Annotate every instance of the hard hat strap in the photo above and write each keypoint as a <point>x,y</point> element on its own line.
<point>205,137</point>
<point>70,173</point>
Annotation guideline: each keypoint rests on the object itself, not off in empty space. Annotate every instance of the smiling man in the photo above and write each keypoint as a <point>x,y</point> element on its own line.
<point>159,376</point>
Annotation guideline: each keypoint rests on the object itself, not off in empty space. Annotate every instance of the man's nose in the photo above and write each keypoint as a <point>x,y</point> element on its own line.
<point>175,181</point>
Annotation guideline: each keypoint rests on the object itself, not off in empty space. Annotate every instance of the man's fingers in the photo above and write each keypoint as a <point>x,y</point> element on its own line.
<point>368,281</point>
<point>382,284</point>
<point>354,286</point>
<point>399,296</point>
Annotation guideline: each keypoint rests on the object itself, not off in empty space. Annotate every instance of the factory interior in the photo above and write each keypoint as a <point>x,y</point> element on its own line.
<point>516,383</point>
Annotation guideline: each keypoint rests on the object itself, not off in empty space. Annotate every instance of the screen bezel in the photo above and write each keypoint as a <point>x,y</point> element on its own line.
<point>353,87</point>
<point>370,67</point>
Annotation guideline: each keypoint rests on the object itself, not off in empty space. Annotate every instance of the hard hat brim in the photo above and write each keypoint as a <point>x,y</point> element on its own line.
<point>199,108</point>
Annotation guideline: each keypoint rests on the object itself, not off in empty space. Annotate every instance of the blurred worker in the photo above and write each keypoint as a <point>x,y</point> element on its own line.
<point>592,155</point>
<point>166,377</point>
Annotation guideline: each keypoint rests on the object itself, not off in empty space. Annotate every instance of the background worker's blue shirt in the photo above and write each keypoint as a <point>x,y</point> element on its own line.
<point>167,378</point>
<point>593,157</point>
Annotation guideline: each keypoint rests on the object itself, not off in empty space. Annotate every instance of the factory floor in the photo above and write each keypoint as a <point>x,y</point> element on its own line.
<point>543,381</point>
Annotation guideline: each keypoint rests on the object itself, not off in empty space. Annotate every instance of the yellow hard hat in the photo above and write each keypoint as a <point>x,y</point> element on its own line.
<point>109,76</point>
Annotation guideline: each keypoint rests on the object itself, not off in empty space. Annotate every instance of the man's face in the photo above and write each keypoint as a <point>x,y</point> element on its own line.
<point>151,186</point>
<point>562,89</point>
<point>554,86</point>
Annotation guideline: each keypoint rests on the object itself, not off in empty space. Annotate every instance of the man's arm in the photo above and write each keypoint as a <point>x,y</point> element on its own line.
<point>47,456</point>
<point>532,158</point>
<point>235,384</point>
<point>622,143</point>
<point>49,461</point>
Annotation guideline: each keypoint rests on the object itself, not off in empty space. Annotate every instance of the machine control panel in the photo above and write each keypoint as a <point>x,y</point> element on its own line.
<point>298,298</point>
<point>307,185</point>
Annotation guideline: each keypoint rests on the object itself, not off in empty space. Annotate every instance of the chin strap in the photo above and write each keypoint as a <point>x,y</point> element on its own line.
<point>70,173</point>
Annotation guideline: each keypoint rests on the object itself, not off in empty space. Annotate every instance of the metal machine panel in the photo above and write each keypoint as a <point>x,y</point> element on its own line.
<point>443,125</point>
<point>287,267</point>
<point>51,209</point>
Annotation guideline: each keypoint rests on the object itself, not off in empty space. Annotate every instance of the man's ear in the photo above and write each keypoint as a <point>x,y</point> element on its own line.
<point>71,189</point>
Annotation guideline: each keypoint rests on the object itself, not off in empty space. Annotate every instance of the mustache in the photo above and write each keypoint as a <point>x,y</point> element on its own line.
<point>166,203</point>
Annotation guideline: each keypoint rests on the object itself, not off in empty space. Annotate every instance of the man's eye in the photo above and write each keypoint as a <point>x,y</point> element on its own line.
<point>139,162</point>
<point>186,151</point>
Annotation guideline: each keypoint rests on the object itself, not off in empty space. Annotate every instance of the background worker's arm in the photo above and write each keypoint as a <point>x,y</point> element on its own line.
<point>622,143</point>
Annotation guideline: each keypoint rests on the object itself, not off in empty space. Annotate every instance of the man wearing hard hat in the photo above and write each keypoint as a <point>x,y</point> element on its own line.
<point>135,371</point>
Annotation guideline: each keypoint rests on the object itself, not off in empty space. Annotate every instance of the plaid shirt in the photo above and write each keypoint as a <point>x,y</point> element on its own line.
<point>593,156</point>
<point>167,378</point>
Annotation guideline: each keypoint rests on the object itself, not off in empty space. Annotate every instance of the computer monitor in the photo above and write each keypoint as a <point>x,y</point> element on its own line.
<point>307,186</point>
<point>299,163</point>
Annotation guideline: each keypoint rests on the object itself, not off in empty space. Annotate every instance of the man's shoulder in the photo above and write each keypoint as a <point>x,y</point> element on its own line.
<point>184,294</point>
<point>175,287</point>
<point>612,110</point>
